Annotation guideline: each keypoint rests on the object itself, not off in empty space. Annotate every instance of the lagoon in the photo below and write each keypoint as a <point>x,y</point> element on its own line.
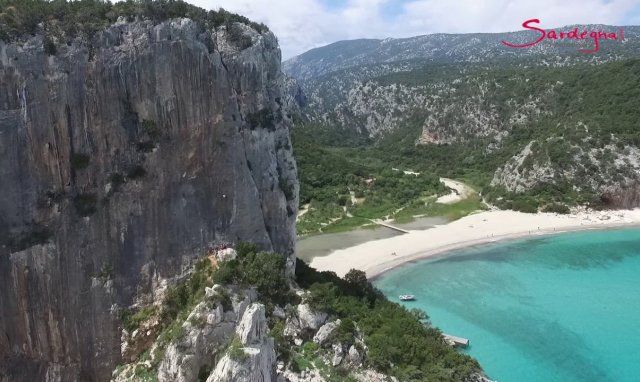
<point>321,245</point>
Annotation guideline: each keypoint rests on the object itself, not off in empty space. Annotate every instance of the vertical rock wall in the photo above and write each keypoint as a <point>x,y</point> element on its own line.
<point>121,159</point>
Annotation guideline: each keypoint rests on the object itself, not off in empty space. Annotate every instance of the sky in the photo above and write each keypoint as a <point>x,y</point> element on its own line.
<point>301,25</point>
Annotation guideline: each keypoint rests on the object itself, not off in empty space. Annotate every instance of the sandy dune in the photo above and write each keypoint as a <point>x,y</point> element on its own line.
<point>377,256</point>
<point>459,191</point>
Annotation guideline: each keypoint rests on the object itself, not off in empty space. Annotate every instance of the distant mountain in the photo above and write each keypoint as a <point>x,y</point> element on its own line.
<point>472,47</point>
<point>549,122</point>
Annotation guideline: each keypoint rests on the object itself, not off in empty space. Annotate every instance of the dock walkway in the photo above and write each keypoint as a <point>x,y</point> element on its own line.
<point>378,222</point>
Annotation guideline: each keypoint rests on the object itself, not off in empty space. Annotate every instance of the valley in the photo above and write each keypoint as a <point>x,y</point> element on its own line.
<point>529,133</point>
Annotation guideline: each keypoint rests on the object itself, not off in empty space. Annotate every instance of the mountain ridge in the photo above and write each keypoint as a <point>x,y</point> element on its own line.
<point>303,67</point>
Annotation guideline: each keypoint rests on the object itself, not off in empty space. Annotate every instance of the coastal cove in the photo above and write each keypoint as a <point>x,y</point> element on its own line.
<point>378,256</point>
<point>552,308</point>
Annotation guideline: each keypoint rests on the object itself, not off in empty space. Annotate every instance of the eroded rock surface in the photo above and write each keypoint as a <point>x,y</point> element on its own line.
<point>121,159</point>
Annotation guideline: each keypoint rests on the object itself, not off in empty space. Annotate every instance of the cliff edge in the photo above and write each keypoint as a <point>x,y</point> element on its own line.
<point>123,157</point>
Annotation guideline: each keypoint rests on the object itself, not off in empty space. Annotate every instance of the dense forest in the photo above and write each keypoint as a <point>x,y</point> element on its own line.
<point>65,19</point>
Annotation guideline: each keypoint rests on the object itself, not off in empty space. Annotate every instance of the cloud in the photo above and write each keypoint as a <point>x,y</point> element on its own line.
<point>304,24</point>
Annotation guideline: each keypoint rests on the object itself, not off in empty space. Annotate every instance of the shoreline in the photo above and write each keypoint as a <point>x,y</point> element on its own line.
<point>377,257</point>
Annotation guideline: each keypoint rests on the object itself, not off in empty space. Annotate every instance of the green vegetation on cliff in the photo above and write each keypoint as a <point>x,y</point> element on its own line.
<point>344,187</point>
<point>399,342</point>
<point>67,19</point>
<point>558,134</point>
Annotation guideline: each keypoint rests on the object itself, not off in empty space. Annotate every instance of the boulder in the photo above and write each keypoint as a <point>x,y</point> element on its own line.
<point>326,331</point>
<point>310,319</point>
<point>353,357</point>
<point>253,325</point>
<point>338,354</point>
<point>226,254</point>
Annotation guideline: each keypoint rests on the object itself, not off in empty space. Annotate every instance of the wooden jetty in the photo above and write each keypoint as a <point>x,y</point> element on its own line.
<point>378,222</point>
<point>455,341</point>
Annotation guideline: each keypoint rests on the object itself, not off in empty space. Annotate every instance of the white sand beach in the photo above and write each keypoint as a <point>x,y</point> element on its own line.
<point>376,257</point>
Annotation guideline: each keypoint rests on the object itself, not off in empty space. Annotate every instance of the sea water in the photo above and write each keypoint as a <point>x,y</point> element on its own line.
<point>556,308</point>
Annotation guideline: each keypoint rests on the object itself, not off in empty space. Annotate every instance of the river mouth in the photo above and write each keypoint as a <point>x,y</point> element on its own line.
<point>312,246</point>
<point>559,308</point>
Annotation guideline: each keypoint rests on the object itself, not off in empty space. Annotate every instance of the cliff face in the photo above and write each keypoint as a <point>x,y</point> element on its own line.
<point>121,159</point>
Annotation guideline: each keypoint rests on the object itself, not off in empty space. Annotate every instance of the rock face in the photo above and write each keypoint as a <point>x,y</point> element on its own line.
<point>121,159</point>
<point>624,197</point>
<point>258,359</point>
<point>206,331</point>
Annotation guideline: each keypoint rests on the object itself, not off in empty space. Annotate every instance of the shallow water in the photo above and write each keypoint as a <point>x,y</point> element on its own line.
<point>559,308</point>
<point>321,245</point>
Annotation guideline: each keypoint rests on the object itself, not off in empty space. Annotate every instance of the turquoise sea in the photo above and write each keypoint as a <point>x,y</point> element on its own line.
<point>556,308</point>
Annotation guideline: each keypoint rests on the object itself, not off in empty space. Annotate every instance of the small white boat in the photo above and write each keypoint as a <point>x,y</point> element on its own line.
<point>407,297</point>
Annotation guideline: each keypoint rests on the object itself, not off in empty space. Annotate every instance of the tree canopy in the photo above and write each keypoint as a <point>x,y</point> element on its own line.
<point>68,19</point>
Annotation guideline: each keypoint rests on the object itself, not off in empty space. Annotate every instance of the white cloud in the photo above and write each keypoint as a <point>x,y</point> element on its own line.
<point>304,24</point>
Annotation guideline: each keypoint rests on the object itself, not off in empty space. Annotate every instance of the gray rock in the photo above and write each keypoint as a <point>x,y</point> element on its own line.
<point>278,312</point>
<point>353,357</point>
<point>326,331</point>
<point>226,254</point>
<point>206,333</point>
<point>256,366</point>
<point>310,319</point>
<point>258,362</point>
<point>212,177</point>
<point>369,375</point>
<point>338,354</point>
<point>253,325</point>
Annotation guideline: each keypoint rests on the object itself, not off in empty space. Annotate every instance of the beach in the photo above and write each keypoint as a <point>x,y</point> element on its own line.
<point>377,256</point>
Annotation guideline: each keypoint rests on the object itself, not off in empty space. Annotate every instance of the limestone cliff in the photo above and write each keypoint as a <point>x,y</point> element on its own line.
<point>121,158</point>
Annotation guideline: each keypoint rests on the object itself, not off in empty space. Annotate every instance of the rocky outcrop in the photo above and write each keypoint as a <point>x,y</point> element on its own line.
<point>324,333</point>
<point>122,158</point>
<point>229,336</point>
<point>622,197</point>
<point>206,332</point>
<point>202,342</point>
<point>303,323</point>
<point>256,363</point>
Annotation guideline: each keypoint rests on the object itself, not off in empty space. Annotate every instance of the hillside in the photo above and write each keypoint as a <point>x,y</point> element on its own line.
<point>393,53</point>
<point>529,128</point>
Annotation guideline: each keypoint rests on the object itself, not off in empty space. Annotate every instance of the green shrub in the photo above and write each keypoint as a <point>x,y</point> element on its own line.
<point>86,204</point>
<point>236,351</point>
<point>523,204</point>
<point>70,19</point>
<point>49,46</point>
<point>151,129</point>
<point>132,320</point>
<point>116,180</point>
<point>263,270</point>
<point>204,372</point>
<point>263,118</point>
<point>136,172</point>
<point>145,146</point>
<point>556,208</point>
<point>80,161</point>
<point>37,234</point>
<point>399,342</point>
<point>106,272</point>
<point>237,37</point>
